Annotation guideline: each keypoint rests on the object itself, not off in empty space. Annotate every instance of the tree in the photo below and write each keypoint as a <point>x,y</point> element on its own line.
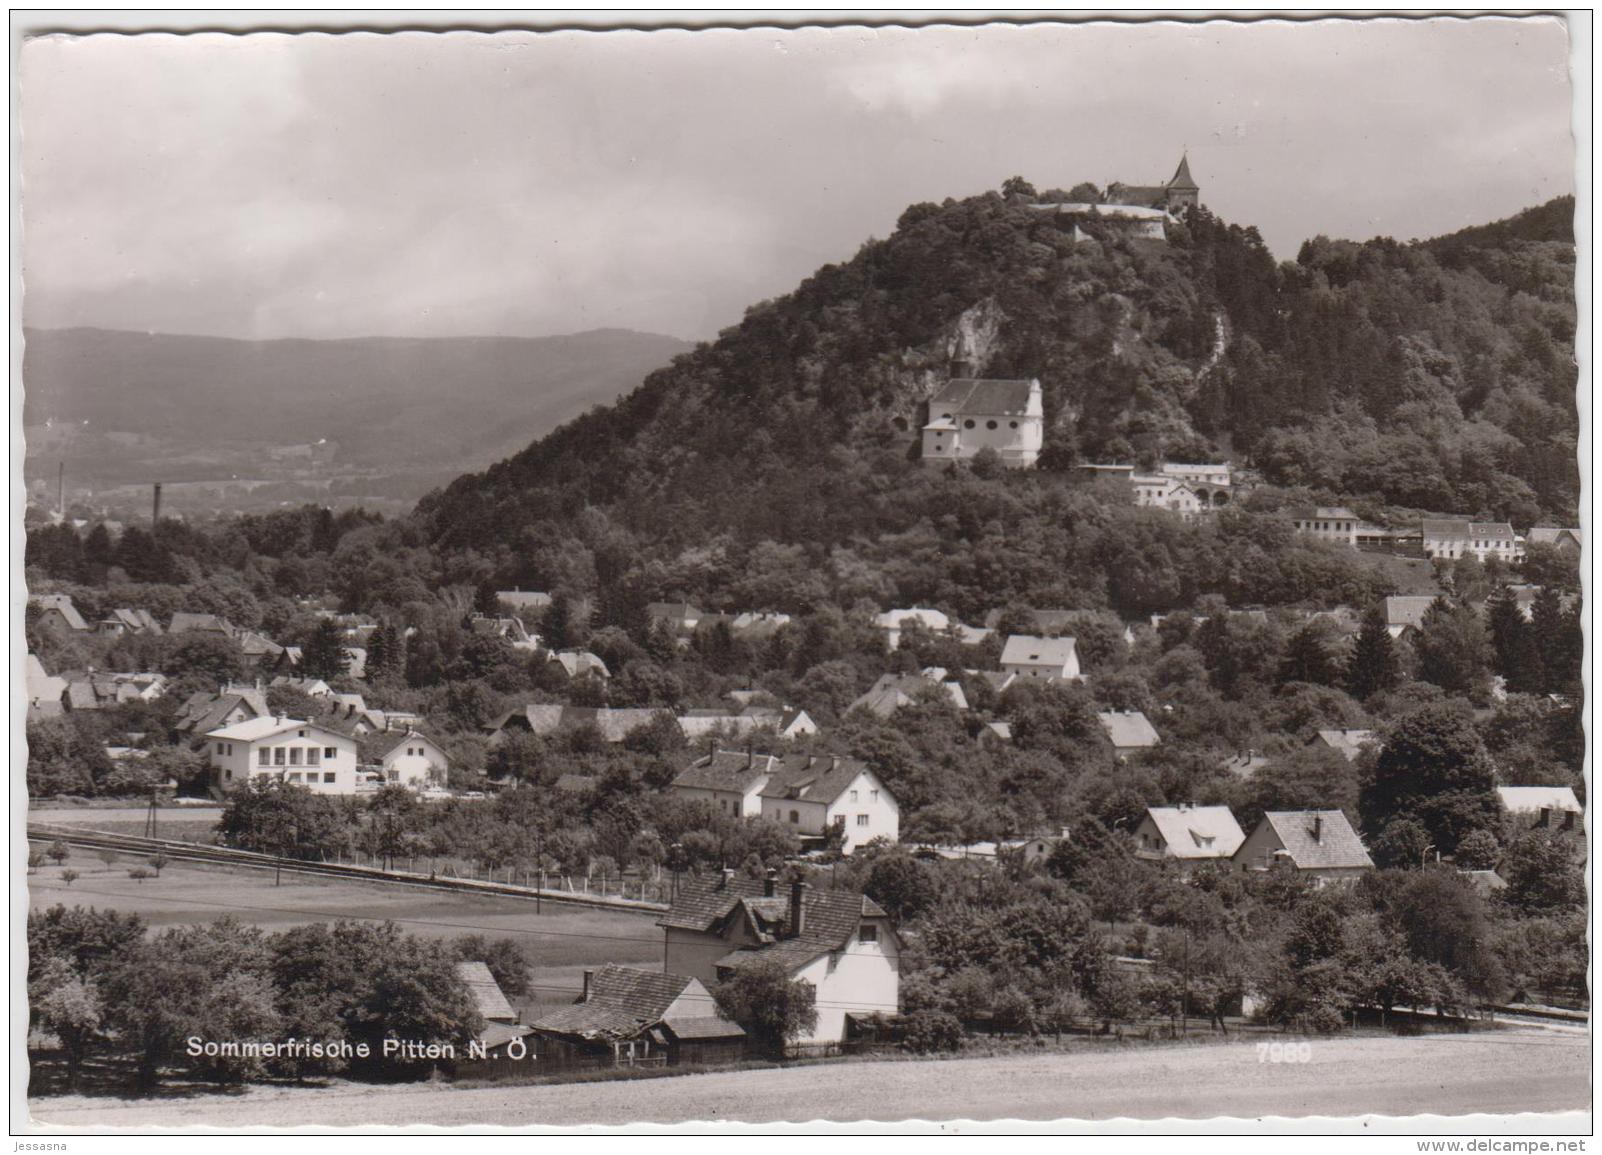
<point>1512,643</point>
<point>58,852</point>
<point>69,1007</point>
<point>1017,186</point>
<point>902,885</point>
<point>324,655</point>
<point>1373,667</point>
<point>1434,769</point>
<point>1543,876</point>
<point>505,958</point>
<point>1307,658</point>
<point>1452,647</point>
<point>69,876</point>
<point>1479,851</point>
<point>773,1008</point>
<point>930,1030</point>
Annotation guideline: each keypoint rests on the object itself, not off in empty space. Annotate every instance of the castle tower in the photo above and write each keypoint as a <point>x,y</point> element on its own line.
<point>1182,190</point>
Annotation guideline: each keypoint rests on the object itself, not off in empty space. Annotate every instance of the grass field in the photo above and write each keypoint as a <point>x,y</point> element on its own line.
<point>1369,1078</point>
<point>561,941</point>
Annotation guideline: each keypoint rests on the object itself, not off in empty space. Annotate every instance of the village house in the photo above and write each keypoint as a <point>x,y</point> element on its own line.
<point>510,629</point>
<point>203,712</point>
<point>289,750</point>
<point>184,622</point>
<point>57,614</point>
<point>1212,484</point>
<point>809,793</point>
<point>1327,523</point>
<point>101,691</point>
<point>407,758</point>
<point>1162,492</point>
<point>545,719</point>
<point>124,621</point>
<point>1129,731</point>
<point>1561,539</point>
<point>1347,743</point>
<point>580,664</point>
<point>1188,835</point>
<point>1542,807</point>
<point>839,941</point>
<point>1320,844</point>
<point>46,693</point>
<point>1405,614</point>
<point>501,1022</point>
<point>1041,659</point>
<point>893,691</point>
<point>995,734</point>
<point>972,414</point>
<point>679,617</point>
<point>1452,538</point>
<point>892,622</point>
<point>311,687</point>
<point>629,1017</point>
<point>785,723</point>
<point>258,651</point>
<point>523,602</point>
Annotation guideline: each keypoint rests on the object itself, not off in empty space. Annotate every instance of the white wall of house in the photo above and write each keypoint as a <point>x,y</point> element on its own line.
<point>415,763</point>
<point>743,805</point>
<point>865,799</point>
<point>320,760</point>
<point>862,979</point>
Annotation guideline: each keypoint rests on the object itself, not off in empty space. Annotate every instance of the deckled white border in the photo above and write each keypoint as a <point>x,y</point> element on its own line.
<point>1315,1133</point>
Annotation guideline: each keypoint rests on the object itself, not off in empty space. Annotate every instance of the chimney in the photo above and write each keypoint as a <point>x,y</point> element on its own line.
<point>798,916</point>
<point>712,756</point>
<point>1318,828</point>
<point>1545,819</point>
<point>588,975</point>
<point>811,758</point>
<point>1568,820</point>
<point>834,763</point>
<point>750,756</point>
<point>770,882</point>
<point>155,506</point>
<point>728,877</point>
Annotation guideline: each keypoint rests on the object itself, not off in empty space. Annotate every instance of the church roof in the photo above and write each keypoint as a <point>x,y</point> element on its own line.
<point>1182,179</point>
<point>980,395</point>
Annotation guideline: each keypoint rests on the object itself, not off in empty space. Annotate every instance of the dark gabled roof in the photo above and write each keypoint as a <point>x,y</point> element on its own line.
<point>183,620</point>
<point>1337,844</point>
<point>830,917</point>
<point>486,992</point>
<point>805,778</point>
<point>622,1003</point>
<point>386,743</point>
<point>982,395</point>
<point>703,1027</point>
<point>735,770</point>
<point>1182,178</point>
<point>204,712</point>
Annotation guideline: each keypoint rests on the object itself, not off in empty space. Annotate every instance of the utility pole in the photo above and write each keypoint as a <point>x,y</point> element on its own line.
<point>150,814</point>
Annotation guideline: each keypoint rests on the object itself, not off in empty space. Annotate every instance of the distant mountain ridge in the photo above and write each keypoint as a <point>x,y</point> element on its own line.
<point>442,402</point>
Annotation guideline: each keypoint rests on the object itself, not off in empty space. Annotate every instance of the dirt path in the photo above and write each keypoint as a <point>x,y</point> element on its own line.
<point>1502,1073</point>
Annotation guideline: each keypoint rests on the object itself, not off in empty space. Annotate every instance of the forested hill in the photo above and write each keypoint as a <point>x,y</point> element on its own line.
<point>1433,375</point>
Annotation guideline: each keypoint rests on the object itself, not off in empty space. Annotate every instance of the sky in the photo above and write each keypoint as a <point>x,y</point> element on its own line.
<point>425,184</point>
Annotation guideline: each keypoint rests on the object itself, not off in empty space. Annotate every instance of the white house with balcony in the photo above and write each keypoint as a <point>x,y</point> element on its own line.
<point>288,750</point>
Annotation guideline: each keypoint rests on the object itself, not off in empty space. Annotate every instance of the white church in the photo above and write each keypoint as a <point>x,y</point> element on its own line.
<point>971,413</point>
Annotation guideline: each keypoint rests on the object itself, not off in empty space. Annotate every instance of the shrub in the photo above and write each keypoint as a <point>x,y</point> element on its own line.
<point>139,874</point>
<point>69,876</point>
<point>1326,1020</point>
<point>925,1032</point>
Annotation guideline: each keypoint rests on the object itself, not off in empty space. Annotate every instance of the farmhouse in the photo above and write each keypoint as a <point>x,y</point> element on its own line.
<point>1188,834</point>
<point>627,1016</point>
<point>971,414</point>
<point>183,622</point>
<point>203,712</point>
<point>128,622</point>
<point>808,793</point>
<point>580,664</point>
<point>410,759</point>
<point>1452,538</point>
<point>1047,659</point>
<point>1561,539</point>
<point>1327,523</point>
<point>1318,843</point>
<point>57,614</point>
<point>1129,731</point>
<point>289,750</point>
<point>1348,743</point>
<point>841,942</point>
<point>893,691</point>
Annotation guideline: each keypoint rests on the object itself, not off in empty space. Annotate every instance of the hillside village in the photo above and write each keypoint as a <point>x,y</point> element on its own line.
<point>979,713</point>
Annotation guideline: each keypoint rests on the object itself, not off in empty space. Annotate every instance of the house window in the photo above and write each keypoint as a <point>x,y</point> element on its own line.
<point>867,932</point>
<point>266,757</point>
<point>328,775</point>
<point>873,796</point>
<point>853,796</point>
<point>219,747</point>
<point>862,820</point>
<point>839,819</point>
<point>795,817</point>
<point>330,753</point>
<point>278,755</point>
<point>990,424</point>
<point>1013,424</point>
<point>294,756</point>
<point>313,755</point>
<point>968,424</point>
<point>292,777</point>
<point>300,733</point>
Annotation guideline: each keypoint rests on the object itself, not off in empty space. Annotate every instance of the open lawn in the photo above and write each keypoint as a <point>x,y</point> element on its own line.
<point>565,938</point>
<point>1494,1073</point>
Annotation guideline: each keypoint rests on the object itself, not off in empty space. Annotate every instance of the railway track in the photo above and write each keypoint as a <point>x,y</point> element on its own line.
<point>227,856</point>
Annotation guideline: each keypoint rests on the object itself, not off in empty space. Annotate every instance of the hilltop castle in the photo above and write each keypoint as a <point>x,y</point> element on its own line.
<point>1174,197</point>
